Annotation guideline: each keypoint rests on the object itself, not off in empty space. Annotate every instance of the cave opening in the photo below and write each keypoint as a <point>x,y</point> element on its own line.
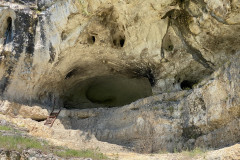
<point>106,91</point>
<point>149,75</point>
<point>115,42</point>
<point>119,42</point>
<point>70,73</point>
<point>122,41</point>
<point>186,84</point>
<point>8,33</point>
<point>91,39</point>
<point>170,47</point>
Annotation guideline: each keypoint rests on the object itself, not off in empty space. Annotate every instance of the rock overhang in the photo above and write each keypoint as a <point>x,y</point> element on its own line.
<point>60,45</point>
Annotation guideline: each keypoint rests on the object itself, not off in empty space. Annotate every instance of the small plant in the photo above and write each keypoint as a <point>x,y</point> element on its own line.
<point>196,152</point>
<point>175,150</point>
<point>5,128</point>
<point>84,8</point>
<point>116,156</point>
<point>181,108</point>
<point>163,152</point>
<point>171,109</point>
<point>37,11</point>
<point>84,154</point>
<point>155,108</point>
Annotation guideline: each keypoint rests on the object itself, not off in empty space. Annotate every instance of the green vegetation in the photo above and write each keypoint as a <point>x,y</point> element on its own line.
<point>181,108</point>
<point>163,152</point>
<point>84,8</point>
<point>171,109</point>
<point>5,128</point>
<point>37,11</point>
<point>196,152</point>
<point>155,108</point>
<point>20,143</point>
<point>85,154</point>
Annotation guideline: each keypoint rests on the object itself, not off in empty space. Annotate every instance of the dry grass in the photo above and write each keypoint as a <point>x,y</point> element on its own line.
<point>196,152</point>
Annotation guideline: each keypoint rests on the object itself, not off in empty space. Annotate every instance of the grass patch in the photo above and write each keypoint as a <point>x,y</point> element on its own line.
<point>84,7</point>
<point>19,143</point>
<point>84,154</point>
<point>5,128</point>
<point>196,152</point>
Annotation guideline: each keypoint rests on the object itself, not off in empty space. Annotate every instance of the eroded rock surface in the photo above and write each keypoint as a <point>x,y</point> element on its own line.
<point>180,57</point>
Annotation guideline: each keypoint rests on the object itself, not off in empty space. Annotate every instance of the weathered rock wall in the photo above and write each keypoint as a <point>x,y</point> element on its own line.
<point>207,117</point>
<point>48,47</point>
<point>188,51</point>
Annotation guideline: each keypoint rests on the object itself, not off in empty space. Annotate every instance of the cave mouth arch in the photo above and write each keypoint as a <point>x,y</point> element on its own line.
<point>106,91</point>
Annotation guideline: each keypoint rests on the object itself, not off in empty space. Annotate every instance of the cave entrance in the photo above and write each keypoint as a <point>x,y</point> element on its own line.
<point>106,91</point>
<point>8,32</point>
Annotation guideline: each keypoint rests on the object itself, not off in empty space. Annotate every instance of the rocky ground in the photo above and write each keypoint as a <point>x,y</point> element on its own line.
<point>227,153</point>
<point>17,144</point>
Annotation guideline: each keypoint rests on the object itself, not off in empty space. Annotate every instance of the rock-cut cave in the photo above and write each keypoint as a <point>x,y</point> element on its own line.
<point>106,91</point>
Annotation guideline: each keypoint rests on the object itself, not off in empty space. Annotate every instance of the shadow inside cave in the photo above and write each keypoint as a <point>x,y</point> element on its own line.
<point>106,91</point>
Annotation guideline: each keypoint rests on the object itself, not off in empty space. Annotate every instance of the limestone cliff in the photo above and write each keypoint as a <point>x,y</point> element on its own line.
<point>176,60</point>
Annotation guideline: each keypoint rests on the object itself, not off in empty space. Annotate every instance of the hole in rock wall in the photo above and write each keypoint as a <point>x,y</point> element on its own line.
<point>186,84</point>
<point>71,73</point>
<point>91,39</point>
<point>115,42</point>
<point>170,47</point>
<point>122,41</point>
<point>167,43</point>
<point>8,33</point>
<point>39,120</point>
<point>106,91</point>
<point>63,36</point>
<point>119,42</point>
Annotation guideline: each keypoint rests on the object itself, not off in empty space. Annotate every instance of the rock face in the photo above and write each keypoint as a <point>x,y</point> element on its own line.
<point>207,116</point>
<point>182,55</point>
